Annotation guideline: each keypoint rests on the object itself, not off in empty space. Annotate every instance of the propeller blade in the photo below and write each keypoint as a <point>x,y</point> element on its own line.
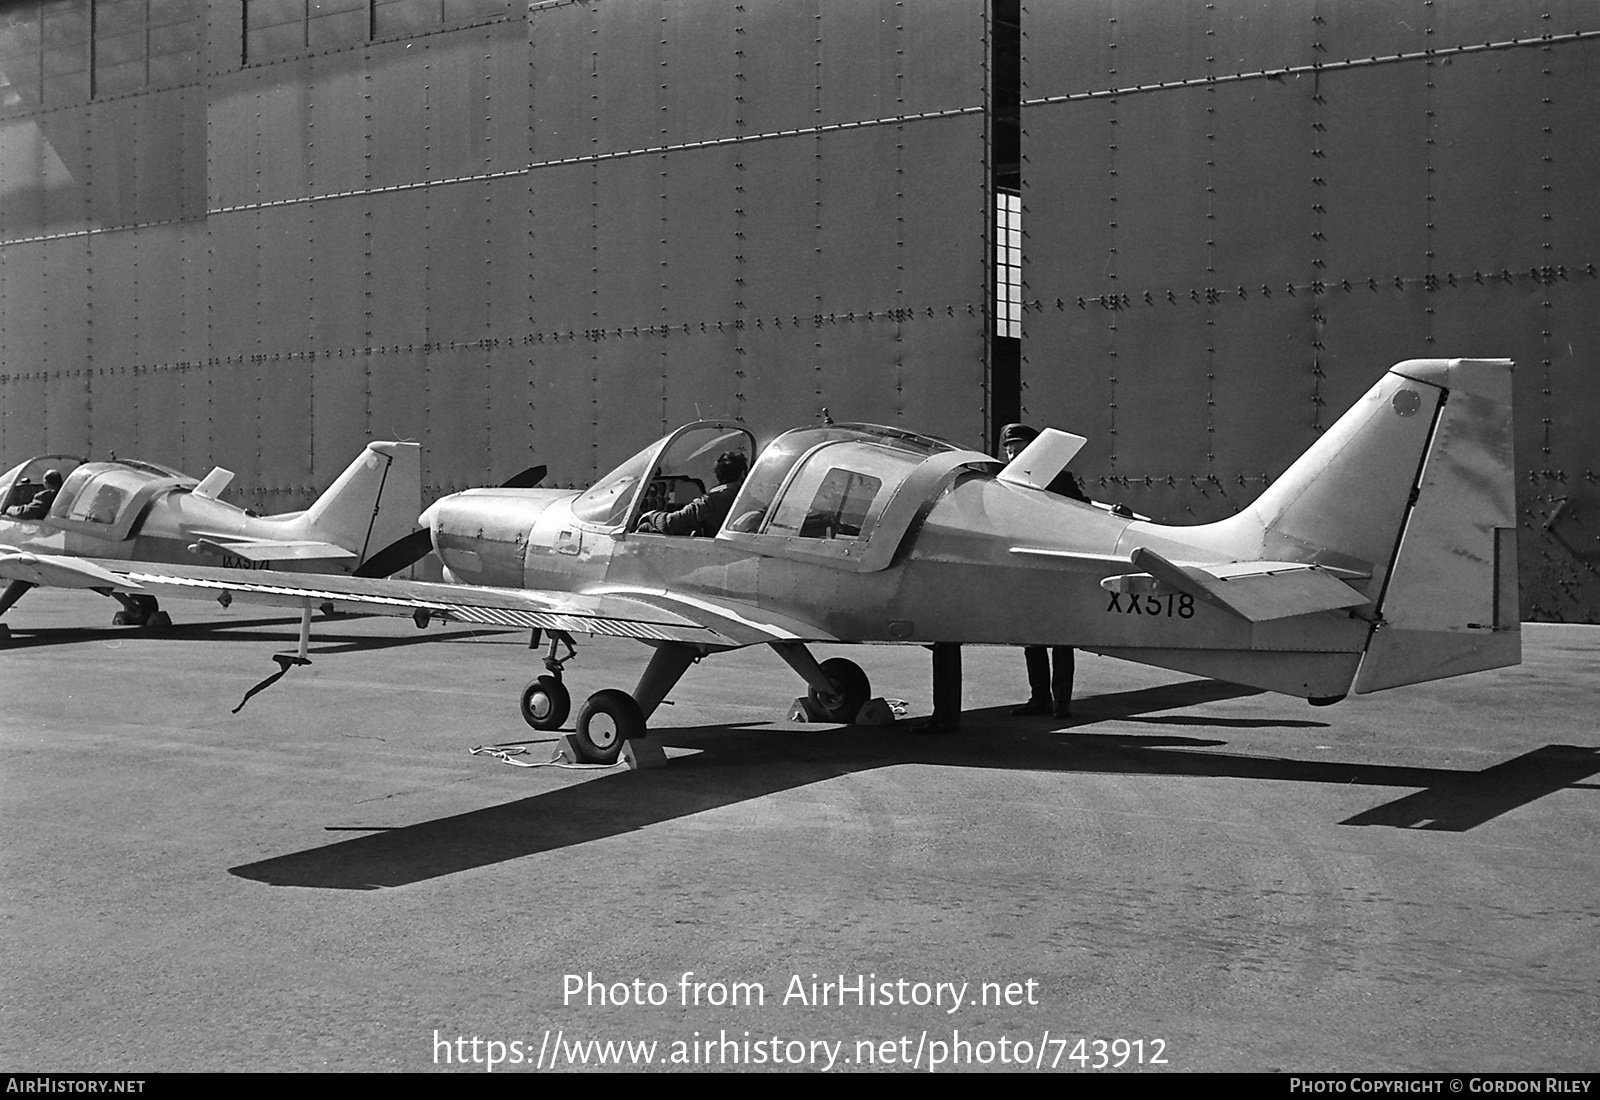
<point>527,479</point>
<point>398,555</point>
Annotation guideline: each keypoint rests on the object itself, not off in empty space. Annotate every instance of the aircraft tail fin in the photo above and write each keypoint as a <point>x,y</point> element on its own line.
<point>374,502</point>
<point>1413,489</point>
<point>1449,603</point>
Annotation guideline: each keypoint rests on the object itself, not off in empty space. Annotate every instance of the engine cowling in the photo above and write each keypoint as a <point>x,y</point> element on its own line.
<point>481,535</point>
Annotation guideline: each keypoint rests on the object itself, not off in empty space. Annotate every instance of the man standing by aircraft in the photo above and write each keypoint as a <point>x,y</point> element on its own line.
<point>1047,694</point>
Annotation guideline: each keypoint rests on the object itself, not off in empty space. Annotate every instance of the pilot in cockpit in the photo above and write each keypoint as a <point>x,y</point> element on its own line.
<point>704,514</point>
<point>39,506</point>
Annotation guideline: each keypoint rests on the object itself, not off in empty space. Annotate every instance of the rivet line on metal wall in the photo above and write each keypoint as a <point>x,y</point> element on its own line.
<point>1542,275</point>
<point>1315,67</point>
<point>903,315</point>
<point>508,173</point>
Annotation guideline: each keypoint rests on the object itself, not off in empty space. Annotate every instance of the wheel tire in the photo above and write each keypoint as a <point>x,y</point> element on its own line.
<point>606,720</point>
<point>121,619</point>
<point>852,685</point>
<point>546,703</point>
<point>158,620</point>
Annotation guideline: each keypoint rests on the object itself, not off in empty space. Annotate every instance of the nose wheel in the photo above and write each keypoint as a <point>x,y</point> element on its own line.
<point>546,703</point>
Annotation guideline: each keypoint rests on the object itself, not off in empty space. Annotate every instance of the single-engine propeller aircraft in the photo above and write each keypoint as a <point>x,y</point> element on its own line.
<point>144,512</point>
<point>1385,555</point>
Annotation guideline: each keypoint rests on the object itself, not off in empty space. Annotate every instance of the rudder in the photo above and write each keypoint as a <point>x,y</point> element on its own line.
<point>1449,602</point>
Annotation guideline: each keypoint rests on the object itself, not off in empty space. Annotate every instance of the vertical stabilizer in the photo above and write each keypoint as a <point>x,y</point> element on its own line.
<point>374,502</point>
<point>1449,602</point>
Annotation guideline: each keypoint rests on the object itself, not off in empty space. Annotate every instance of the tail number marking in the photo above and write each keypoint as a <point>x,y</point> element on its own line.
<point>1180,605</point>
<point>230,561</point>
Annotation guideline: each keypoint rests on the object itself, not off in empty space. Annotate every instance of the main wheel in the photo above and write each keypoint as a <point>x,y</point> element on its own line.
<point>158,620</point>
<point>606,720</point>
<point>137,615</point>
<point>851,686</point>
<point>545,703</point>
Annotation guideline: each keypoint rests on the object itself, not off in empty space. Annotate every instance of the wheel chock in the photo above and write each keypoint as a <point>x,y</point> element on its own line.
<point>803,710</point>
<point>875,712</point>
<point>566,751</point>
<point>643,752</point>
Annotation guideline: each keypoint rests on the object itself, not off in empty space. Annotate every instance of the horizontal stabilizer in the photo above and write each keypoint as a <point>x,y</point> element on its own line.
<point>1255,591</point>
<point>265,550</point>
<point>58,572</point>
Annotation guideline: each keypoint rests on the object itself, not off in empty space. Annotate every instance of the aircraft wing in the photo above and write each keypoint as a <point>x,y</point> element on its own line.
<point>645,614</point>
<point>267,550</point>
<point>56,571</point>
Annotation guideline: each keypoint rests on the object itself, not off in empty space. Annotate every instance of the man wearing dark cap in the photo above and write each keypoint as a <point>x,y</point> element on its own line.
<point>704,514</point>
<point>39,506</point>
<point>1047,693</point>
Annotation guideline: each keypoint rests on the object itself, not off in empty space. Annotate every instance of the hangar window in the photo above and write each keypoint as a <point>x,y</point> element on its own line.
<point>1008,264</point>
<point>282,28</point>
<point>55,52</point>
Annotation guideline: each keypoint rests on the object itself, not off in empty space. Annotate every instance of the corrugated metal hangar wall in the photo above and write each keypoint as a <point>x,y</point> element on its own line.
<point>259,234</point>
<point>514,233</point>
<point>1239,213</point>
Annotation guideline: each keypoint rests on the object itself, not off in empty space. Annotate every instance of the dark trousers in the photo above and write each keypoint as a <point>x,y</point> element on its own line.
<point>946,684</point>
<point>1042,686</point>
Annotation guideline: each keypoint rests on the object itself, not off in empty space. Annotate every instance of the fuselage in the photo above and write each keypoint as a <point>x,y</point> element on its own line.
<point>985,562</point>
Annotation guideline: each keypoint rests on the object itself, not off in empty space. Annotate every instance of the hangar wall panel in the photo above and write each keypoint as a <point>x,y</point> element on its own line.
<point>23,153</point>
<point>112,285</point>
<point>698,63</point>
<point>25,299</point>
<point>338,110</point>
<point>70,135</point>
<point>456,262</point>
<point>337,270</point>
<point>700,225</point>
<point>284,277</point>
<point>67,399</point>
<point>1367,202</point>
<point>338,404</point>
<point>590,273</point>
<point>284,385</point>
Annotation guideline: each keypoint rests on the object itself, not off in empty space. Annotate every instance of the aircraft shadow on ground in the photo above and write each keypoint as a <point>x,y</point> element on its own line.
<point>738,764</point>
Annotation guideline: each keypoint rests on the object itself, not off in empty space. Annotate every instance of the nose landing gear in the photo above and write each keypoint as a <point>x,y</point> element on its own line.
<point>545,701</point>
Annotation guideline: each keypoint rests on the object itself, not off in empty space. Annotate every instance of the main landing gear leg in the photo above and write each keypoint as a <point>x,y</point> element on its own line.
<point>839,689</point>
<point>137,610</point>
<point>11,595</point>
<point>609,719</point>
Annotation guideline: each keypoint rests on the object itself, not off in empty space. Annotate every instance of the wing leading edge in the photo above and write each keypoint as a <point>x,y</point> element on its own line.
<point>644,614</point>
